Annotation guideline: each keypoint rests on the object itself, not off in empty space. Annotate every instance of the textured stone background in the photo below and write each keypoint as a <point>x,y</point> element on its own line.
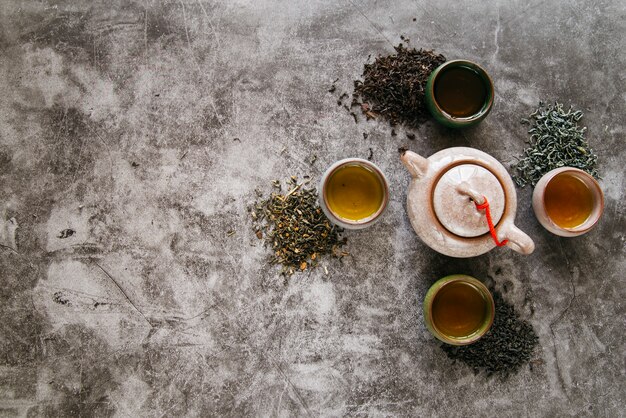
<point>118,120</point>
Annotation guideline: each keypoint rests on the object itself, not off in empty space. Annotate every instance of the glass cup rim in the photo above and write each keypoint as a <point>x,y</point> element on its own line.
<point>484,77</point>
<point>368,165</point>
<point>596,190</point>
<point>484,327</point>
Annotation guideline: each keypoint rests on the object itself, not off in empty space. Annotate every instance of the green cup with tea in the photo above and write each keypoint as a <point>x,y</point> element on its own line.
<point>459,93</point>
<point>458,309</point>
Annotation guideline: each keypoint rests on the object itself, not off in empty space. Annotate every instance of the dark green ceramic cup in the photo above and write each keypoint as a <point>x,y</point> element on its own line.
<point>474,335</point>
<point>436,109</point>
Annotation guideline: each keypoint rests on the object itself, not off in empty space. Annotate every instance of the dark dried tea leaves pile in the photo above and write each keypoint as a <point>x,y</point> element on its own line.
<point>556,141</point>
<point>393,86</point>
<point>295,227</point>
<point>507,346</point>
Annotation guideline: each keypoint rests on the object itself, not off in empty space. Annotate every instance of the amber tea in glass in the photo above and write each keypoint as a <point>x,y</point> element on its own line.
<point>460,92</point>
<point>568,201</point>
<point>459,309</point>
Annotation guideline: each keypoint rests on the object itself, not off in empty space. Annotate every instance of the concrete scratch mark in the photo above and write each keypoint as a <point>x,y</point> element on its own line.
<point>7,233</point>
<point>95,59</point>
<point>370,22</point>
<point>495,40</point>
<point>280,399</point>
<point>145,31</point>
<point>80,153</point>
<point>8,248</point>
<point>123,292</point>
<point>561,315</point>
<point>217,39</point>
<point>217,114</point>
<point>361,407</point>
<point>263,354</point>
<point>293,387</point>
<point>108,150</point>
<point>185,21</point>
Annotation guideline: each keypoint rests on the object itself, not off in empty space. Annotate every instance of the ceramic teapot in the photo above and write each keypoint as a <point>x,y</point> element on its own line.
<point>449,197</point>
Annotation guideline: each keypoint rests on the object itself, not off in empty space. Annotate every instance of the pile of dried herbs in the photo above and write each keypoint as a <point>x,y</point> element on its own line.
<point>393,86</point>
<point>556,141</point>
<point>507,346</point>
<point>295,227</point>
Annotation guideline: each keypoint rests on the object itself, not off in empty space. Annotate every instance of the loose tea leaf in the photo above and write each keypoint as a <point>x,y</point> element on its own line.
<point>507,346</point>
<point>555,141</point>
<point>66,233</point>
<point>296,228</point>
<point>393,86</point>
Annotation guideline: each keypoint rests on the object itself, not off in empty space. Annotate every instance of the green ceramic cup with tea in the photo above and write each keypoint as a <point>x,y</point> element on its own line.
<point>459,93</point>
<point>458,309</point>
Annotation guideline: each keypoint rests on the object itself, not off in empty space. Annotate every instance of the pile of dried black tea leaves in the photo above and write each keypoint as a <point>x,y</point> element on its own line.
<point>556,141</point>
<point>393,86</point>
<point>295,227</point>
<point>507,346</point>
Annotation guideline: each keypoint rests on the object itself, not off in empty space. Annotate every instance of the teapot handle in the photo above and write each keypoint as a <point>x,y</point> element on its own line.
<point>518,240</point>
<point>415,163</point>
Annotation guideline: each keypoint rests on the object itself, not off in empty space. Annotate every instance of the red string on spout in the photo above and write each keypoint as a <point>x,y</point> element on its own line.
<point>492,230</point>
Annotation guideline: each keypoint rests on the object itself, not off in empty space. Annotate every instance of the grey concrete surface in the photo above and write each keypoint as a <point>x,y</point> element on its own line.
<point>118,120</point>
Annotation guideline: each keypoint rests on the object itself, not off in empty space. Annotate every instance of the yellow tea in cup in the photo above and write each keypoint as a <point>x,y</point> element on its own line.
<point>354,192</point>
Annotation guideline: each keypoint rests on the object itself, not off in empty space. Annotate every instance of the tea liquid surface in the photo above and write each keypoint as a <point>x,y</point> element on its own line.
<point>568,201</point>
<point>354,192</point>
<point>460,92</point>
<point>459,309</point>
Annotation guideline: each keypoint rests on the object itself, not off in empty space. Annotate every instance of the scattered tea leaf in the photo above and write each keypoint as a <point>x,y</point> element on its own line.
<point>296,228</point>
<point>66,233</point>
<point>393,86</point>
<point>555,141</point>
<point>507,346</point>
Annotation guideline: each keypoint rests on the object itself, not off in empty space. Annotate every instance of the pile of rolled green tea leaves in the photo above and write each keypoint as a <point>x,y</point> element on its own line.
<point>295,227</point>
<point>393,86</point>
<point>507,346</point>
<point>555,141</point>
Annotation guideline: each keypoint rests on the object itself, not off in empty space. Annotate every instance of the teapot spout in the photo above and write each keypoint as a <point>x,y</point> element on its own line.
<point>415,163</point>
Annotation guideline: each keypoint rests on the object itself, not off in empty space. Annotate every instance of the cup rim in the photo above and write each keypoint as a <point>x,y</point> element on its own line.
<point>483,75</point>
<point>486,293</point>
<point>590,222</point>
<point>381,176</point>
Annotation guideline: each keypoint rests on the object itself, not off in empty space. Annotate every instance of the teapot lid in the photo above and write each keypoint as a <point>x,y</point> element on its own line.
<point>453,203</point>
